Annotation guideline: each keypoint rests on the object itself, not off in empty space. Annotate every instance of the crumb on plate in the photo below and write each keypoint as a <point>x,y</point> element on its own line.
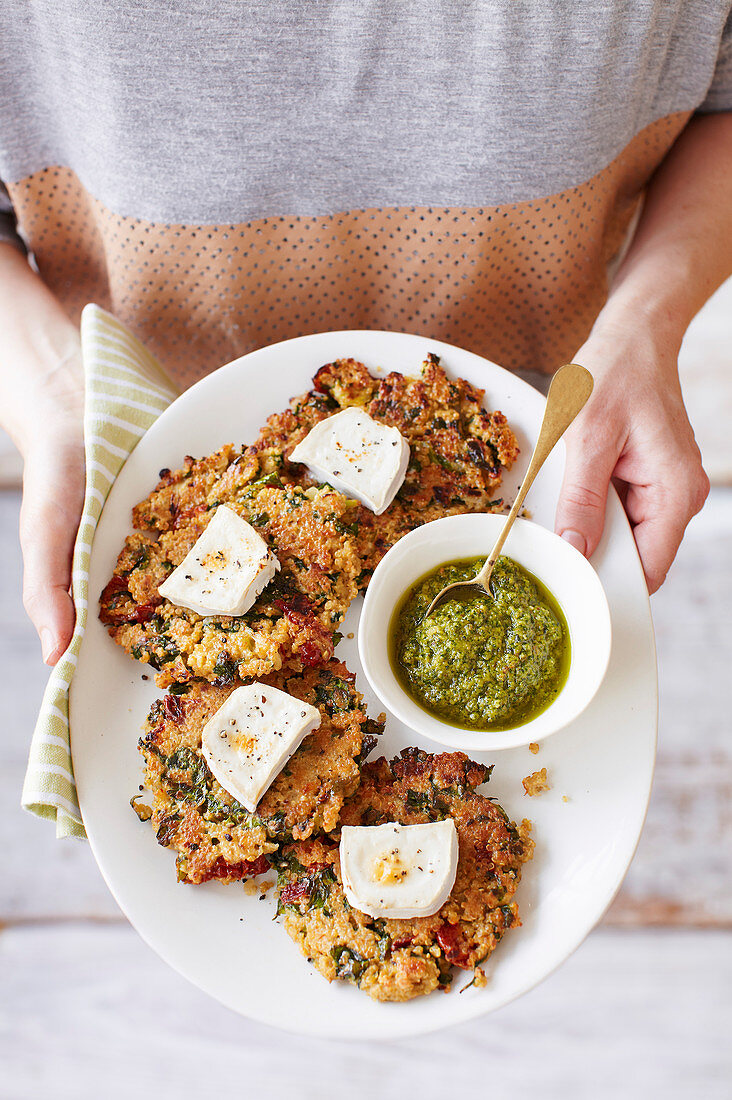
<point>536,783</point>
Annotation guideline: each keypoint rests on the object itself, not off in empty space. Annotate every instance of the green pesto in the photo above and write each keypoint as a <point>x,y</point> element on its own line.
<point>481,663</point>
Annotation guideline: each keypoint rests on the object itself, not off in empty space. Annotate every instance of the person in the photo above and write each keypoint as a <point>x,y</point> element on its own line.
<point>223,174</point>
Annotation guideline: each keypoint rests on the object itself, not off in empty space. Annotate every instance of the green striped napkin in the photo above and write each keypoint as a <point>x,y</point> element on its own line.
<point>126,390</point>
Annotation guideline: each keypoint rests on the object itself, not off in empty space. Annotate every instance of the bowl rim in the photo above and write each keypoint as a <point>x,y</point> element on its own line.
<point>375,618</point>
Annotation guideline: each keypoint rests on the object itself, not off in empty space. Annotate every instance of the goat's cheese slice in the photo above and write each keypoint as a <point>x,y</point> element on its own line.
<point>397,870</point>
<point>357,455</point>
<point>251,737</point>
<point>224,571</point>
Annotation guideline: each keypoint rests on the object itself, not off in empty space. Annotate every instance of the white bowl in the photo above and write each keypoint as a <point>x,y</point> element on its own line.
<point>565,572</point>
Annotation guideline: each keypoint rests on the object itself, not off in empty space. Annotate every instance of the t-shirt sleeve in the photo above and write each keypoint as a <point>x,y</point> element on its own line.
<point>719,96</point>
<point>8,225</point>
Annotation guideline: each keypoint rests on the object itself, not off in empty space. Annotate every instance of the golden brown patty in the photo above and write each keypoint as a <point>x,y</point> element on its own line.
<point>395,960</point>
<point>214,835</point>
<point>458,450</point>
<point>292,622</point>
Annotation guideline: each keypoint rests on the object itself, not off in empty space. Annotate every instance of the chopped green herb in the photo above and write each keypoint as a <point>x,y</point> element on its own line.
<point>507,915</point>
<point>225,669</point>
<point>334,695</point>
<point>440,460</point>
<point>269,481</point>
<point>349,964</point>
<point>167,829</point>
<point>188,779</point>
<point>419,800</point>
<point>345,528</point>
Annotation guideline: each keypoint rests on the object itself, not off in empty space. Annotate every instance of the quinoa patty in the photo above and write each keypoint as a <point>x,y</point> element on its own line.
<point>395,960</point>
<point>294,619</point>
<point>458,450</point>
<point>215,836</point>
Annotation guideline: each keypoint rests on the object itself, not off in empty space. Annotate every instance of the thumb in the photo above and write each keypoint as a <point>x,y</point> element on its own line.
<point>580,515</point>
<point>53,491</point>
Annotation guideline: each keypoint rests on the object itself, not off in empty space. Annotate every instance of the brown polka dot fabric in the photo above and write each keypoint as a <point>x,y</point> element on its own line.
<point>520,284</point>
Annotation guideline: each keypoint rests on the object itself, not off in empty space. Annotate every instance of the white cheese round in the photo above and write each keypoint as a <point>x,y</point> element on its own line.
<point>224,571</point>
<point>397,870</point>
<point>357,455</point>
<point>251,737</point>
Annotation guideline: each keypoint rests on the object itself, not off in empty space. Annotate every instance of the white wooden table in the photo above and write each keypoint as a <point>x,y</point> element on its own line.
<point>642,1010</point>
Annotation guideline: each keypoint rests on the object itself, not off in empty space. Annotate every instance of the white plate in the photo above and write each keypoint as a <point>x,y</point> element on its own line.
<point>224,940</point>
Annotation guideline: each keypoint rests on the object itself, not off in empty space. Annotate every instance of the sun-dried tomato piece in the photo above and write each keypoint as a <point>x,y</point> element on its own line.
<point>299,611</point>
<point>303,887</point>
<point>109,598</point>
<point>253,867</point>
<point>311,656</point>
<point>144,612</point>
<point>295,891</point>
<point>453,945</point>
<point>245,869</point>
<point>443,495</point>
<point>174,708</point>
<point>294,606</point>
<point>113,588</point>
<point>323,378</point>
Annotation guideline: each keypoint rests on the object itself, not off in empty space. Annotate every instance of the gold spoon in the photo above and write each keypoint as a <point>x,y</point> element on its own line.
<point>570,389</point>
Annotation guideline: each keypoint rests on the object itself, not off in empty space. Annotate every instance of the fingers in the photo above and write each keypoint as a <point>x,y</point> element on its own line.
<point>634,431</point>
<point>589,465</point>
<point>53,490</point>
<point>660,515</point>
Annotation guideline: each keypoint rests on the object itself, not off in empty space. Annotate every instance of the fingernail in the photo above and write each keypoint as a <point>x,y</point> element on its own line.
<point>48,644</point>
<point>574,538</point>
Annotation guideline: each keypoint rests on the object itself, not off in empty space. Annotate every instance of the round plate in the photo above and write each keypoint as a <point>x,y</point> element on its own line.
<point>600,768</point>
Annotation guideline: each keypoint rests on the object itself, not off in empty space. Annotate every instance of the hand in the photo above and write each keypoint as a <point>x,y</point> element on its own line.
<point>42,407</point>
<point>53,495</point>
<point>635,431</point>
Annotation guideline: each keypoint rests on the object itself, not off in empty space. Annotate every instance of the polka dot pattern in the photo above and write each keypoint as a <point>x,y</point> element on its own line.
<point>520,283</point>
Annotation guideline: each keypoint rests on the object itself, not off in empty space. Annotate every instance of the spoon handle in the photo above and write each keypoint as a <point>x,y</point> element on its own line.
<point>569,391</point>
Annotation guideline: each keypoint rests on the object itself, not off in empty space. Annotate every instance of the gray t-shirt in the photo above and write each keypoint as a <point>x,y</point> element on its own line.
<point>230,110</point>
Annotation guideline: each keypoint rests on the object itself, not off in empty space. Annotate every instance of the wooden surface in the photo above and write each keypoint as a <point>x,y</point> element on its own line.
<point>641,1010</point>
<point>640,1015</point>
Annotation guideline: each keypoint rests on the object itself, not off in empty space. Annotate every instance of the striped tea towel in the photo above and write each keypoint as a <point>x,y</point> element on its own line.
<point>126,390</point>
